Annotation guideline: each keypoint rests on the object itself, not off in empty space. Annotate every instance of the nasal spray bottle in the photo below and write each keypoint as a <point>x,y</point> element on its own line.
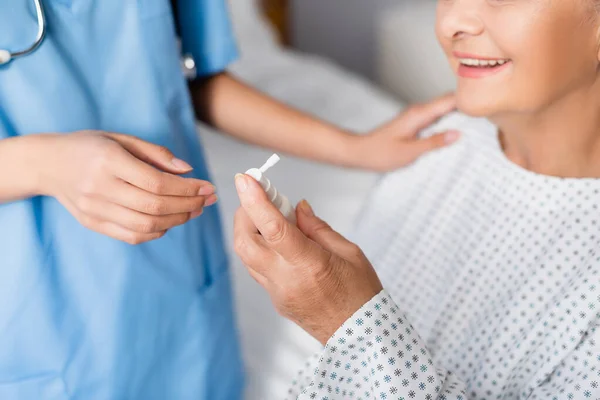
<point>278,199</point>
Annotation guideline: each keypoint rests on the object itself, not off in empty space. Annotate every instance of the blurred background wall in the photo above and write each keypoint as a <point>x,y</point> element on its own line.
<point>390,42</point>
<point>344,30</point>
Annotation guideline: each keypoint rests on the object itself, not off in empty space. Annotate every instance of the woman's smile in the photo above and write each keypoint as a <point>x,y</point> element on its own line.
<point>474,66</point>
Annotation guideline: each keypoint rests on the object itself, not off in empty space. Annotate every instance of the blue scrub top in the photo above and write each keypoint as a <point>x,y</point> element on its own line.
<point>83,316</point>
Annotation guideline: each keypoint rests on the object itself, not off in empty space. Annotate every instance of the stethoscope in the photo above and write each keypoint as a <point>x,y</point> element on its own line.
<point>7,56</point>
<point>187,63</point>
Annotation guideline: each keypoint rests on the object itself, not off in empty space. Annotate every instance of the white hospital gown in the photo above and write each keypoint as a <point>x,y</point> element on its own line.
<point>492,286</point>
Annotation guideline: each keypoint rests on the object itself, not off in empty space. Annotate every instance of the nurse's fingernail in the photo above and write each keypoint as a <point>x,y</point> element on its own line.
<point>241,183</point>
<point>211,200</point>
<point>181,165</point>
<point>451,136</point>
<point>206,190</point>
<point>196,214</point>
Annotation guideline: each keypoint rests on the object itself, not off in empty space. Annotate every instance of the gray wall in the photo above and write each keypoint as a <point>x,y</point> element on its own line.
<point>341,29</point>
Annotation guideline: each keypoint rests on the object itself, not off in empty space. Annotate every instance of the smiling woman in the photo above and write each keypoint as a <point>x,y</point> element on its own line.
<point>488,251</point>
<point>551,48</point>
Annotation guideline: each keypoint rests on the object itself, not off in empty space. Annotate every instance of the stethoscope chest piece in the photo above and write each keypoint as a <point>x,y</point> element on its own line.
<point>5,57</point>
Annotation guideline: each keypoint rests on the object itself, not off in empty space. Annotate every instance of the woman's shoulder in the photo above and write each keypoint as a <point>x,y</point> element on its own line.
<point>467,125</point>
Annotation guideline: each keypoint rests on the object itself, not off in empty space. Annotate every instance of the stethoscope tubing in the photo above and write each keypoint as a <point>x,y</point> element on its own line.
<point>41,34</point>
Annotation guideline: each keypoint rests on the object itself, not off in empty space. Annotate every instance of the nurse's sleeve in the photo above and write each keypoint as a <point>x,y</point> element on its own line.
<point>206,34</point>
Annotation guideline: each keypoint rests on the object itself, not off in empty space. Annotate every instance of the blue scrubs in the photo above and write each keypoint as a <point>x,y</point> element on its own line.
<point>83,316</point>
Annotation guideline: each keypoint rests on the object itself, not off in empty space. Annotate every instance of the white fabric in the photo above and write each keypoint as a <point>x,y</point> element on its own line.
<point>493,275</point>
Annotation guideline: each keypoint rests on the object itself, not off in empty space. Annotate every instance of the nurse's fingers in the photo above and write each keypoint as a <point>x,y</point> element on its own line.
<point>118,232</point>
<point>140,200</point>
<point>109,228</point>
<point>421,146</point>
<point>155,155</point>
<point>133,220</point>
<point>146,177</point>
<point>420,116</point>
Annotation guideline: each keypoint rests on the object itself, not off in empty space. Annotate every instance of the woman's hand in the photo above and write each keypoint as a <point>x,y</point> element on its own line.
<point>396,144</point>
<point>315,277</point>
<point>121,186</point>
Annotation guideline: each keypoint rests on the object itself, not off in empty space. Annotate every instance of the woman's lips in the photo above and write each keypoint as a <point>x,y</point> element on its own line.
<point>468,71</point>
<point>476,66</point>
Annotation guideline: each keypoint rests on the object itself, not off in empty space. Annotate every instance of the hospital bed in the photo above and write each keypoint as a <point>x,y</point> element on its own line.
<point>273,348</point>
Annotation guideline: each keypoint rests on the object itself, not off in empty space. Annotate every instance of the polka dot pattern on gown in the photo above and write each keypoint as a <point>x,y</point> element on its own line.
<point>492,284</point>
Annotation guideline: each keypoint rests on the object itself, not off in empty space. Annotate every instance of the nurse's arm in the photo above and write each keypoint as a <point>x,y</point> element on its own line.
<point>243,112</point>
<point>114,184</point>
<point>21,160</point>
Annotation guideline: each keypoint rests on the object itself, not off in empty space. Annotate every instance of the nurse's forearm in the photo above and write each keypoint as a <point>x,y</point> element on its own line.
<point>251,116</point>
<point>20,165</point>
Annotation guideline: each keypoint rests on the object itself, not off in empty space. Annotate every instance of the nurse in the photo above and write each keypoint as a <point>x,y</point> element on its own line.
<point>112,283</point>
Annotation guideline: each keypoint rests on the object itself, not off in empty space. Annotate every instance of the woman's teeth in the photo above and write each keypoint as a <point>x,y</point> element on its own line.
<point>472,62</point>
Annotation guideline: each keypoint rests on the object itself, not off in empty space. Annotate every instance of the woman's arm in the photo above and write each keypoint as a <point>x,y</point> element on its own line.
<point>325,284</point>
<point>377,354</point>
<point>245,113</point>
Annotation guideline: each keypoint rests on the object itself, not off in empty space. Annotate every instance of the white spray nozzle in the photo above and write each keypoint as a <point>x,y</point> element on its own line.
<point>274,159</point>
<point>278,199</point>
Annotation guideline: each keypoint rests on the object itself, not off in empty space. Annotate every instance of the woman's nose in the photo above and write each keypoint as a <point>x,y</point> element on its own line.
<point>459,18</point>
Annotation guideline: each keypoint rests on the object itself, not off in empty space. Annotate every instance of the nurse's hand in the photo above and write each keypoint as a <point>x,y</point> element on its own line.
<point>122,186</point>
<point>397,143</point>
<point>316,278</point>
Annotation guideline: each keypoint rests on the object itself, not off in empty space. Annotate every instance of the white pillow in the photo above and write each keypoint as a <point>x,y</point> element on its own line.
<point>410,61</point>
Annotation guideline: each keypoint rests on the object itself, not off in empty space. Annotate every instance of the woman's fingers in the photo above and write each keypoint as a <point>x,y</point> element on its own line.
<point>260,279</point>
<point>320,232</point>
<point>277,232</point>
<point>251,247</point>
<point>149,203</point>
<point>144,176</point>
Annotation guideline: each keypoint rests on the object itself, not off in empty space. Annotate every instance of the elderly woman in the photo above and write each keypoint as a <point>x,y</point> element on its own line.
<point>489,251</point>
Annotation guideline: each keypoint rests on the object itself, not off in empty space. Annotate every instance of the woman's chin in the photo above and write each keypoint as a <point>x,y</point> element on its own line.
<point>476,106</point>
